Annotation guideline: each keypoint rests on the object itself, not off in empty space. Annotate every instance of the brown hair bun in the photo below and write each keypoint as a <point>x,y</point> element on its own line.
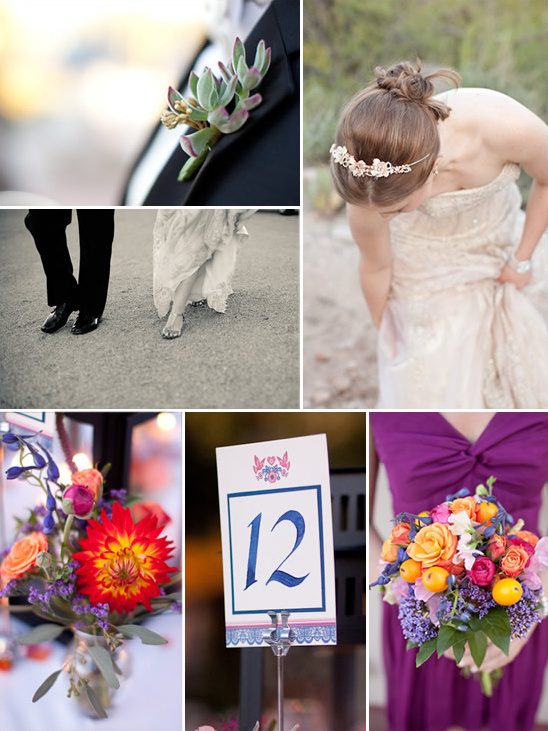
<point>395,119</point>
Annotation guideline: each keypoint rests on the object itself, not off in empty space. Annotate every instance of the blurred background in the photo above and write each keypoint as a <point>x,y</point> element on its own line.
<point>212,670</point>
<point>81,86</point>
<point>499,44</point>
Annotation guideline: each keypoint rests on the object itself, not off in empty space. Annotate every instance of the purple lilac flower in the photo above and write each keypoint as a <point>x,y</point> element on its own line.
<point>81,605</point>
<point>523,614</point>
<point>106,503</point>
<point>59,587</point>
<point>415,624</point>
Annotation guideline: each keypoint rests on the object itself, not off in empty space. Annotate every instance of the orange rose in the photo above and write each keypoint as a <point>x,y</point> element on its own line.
<point>434,545</point>
<point>497,546</point>
<point>400,534</point>
<point>22,556</point>
<point>513,562</point>
<point>90,478</point>
<point>389,551</point>
<point>464,504</point>
<point>526,535</point>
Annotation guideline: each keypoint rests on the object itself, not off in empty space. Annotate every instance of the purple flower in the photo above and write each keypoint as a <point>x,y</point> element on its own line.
<point>414,620</point>
<point>524,613</point>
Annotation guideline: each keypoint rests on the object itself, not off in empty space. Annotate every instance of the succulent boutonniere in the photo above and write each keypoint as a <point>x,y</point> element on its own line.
<point>218,106</point>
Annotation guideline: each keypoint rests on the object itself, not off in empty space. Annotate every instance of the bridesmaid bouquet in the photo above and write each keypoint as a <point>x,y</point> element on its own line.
<point>86,564</point>
<point>464,573</point>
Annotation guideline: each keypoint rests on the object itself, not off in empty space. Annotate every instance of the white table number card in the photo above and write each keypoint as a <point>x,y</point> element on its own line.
<point>277,539</point>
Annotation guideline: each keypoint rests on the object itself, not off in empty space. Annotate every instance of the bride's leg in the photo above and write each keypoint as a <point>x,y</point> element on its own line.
<point>174,324</point>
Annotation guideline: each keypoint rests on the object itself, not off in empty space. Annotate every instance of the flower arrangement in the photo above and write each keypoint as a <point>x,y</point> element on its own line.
<point>464,574</point>
<point>217,106</point>
<point>84,564</point>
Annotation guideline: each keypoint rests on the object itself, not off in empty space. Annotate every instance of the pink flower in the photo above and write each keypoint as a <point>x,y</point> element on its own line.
<point>482,571</point>
<point>515,541</point>
<point>78,500</point>
<point>90,478</point>
<point>441,513</point>
<point>537,562</point>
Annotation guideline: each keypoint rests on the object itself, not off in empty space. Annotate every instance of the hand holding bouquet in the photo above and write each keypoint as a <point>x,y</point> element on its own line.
<point>464,574</point>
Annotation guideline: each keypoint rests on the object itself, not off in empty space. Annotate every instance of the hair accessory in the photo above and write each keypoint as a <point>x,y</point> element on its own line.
<point>378,169</point>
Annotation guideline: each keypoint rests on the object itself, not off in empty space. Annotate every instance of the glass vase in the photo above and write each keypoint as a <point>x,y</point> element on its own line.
<point>86,669</point>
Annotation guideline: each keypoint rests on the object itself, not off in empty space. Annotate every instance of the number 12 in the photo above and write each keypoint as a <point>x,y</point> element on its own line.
<point>281,576</point>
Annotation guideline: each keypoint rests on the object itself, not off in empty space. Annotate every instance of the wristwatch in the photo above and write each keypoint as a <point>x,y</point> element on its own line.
<point>519,266</point>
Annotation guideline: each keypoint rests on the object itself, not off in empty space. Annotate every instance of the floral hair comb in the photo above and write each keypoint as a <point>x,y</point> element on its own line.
<point>207,111</point>
<point>378,169</point>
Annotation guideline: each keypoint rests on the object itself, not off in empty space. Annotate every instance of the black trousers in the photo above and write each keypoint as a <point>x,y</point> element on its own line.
<point>96,229</point>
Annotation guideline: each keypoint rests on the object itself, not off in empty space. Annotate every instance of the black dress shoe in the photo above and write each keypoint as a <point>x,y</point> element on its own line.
<point>58,318</point>
<point>85,324</point>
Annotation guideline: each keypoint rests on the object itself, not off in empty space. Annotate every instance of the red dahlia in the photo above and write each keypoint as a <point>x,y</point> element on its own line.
<point>122,563</point>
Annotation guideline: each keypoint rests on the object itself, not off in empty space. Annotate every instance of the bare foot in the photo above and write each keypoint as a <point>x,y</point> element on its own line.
<point>173,327</point>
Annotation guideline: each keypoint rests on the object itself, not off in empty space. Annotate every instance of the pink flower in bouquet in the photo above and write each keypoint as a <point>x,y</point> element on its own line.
<point>78,500</point>
<point>434,545</point>
<point>537,563</point>
<point>517,541</point>
<point>441,513</point>
<point>22,556</point>
<point>467,505</point>
<point>482,572</point>
<point>514,561</point>
<point>497,546</point>
<point>92,479</point>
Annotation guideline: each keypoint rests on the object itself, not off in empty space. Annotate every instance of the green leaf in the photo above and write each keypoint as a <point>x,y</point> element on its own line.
<point>46,685</point>
<point>447,637</point>
<point>458,650</point>
<point>147,636</point>
<point>496,626</point>
<point>40,633</point>
<point>104,663</point>
<point>426,649</point>
<point>410,644</point>
<point>94,701</point>
<point>477,642</point>
<point>194,144</point>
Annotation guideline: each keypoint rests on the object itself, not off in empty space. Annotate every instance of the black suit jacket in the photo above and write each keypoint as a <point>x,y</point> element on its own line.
<point>260,164</point>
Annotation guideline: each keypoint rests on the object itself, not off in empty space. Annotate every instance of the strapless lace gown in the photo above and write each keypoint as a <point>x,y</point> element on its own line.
<point>451,335</point>
<point>188,240</point>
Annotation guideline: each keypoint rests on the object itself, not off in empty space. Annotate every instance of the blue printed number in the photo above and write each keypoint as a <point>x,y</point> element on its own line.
<point>280,576</point>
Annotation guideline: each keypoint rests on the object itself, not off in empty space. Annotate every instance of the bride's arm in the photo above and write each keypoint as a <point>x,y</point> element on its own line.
<point>522,137</point>
<point>372,235</point>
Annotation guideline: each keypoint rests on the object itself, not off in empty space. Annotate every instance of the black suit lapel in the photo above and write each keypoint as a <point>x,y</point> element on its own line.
<point>280,28</point>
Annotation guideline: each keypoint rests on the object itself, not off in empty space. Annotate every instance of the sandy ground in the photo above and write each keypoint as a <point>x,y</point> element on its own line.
<point>246,358</point>
<point>339,360</point>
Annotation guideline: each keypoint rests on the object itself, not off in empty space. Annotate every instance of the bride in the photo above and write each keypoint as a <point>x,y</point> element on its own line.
<point>194,257</point>
<point>453,272</point>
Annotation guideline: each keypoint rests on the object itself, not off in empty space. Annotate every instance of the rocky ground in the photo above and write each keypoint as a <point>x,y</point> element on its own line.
<point>339,360</point>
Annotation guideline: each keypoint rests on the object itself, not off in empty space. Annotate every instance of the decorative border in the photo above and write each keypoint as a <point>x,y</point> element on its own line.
<point>304,634</point>
<point>318,490</point>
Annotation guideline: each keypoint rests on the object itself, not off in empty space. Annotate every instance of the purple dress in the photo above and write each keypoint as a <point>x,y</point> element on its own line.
<point>426,458</point>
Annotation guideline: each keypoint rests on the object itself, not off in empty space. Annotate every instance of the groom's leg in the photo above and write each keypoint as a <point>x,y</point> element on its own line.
<point>48,229</point>
<point>96,237</point>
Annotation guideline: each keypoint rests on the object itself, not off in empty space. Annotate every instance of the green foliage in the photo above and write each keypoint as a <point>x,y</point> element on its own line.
<point>498,44</point>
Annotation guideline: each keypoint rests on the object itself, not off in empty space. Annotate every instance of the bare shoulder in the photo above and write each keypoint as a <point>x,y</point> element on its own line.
<point>501,125</point>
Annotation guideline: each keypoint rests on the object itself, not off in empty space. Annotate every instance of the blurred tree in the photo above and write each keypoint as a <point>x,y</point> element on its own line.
<point>498,44</point>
